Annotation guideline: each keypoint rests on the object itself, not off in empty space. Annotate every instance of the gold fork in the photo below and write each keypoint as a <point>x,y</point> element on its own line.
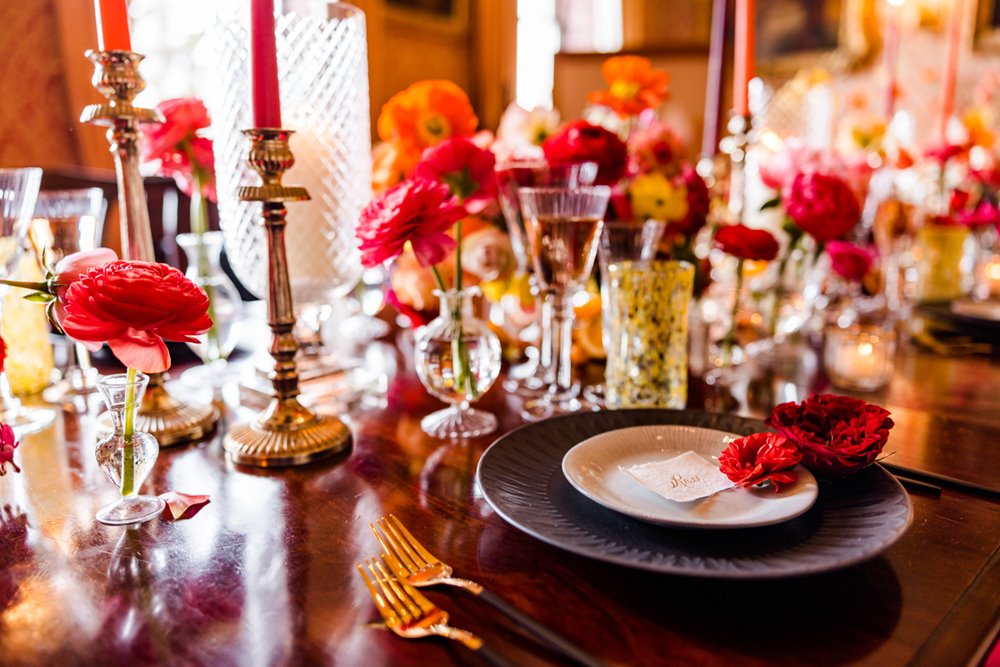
<point>412,563</point>
<point>411,615</point>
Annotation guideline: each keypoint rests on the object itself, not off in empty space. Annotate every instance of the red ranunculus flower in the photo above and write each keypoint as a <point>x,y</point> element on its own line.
<point>947,152</point>
<point>3,353</point>
<point>822,206</point>
<point>746,243</point>
<point>837,435</point>
<point>581,141</point>
<point>177,146</point>
<point>697,201</point>
<point>758,458</point>
<point>850,261</point>
<point>417,210</point>
<point>467,170</point>
<point>8,443</point>
<point>133,307</point>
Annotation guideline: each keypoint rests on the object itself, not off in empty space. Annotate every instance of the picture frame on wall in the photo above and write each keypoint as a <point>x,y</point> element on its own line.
<point>794,35</point>
<point>987,34</point>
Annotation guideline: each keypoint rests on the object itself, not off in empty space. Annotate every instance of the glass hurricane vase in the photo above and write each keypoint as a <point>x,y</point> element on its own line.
<point>226,308</point>
<point>127,457</point>
<point>458,359</point>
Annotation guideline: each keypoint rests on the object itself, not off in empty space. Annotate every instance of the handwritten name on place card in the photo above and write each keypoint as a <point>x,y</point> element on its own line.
<point>683,478</point>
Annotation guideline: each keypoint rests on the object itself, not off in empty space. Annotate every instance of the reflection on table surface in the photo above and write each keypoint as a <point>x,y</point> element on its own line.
<point>264,574</point>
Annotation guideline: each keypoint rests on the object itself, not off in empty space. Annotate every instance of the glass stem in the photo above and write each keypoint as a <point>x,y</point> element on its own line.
<point>128,452</point>
<point>727,342</point>
<point>559,325</point>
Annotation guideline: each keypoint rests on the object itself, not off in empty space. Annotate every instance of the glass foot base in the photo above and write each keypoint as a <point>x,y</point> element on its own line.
<point>364,328</point>
<point>544,408</point>
<point>127,511</point>
<point>27,420</point>
<point>594,393</point>
<point>525,379</point>
<point>456,423</point>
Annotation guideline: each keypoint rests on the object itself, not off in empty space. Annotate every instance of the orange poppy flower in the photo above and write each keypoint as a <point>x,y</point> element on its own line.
<point>391,164</point>
<point>424,115</point>
<point>633,86</point>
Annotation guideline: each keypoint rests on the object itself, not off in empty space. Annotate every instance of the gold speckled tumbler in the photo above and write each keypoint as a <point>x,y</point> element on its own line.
<point>647,313</point>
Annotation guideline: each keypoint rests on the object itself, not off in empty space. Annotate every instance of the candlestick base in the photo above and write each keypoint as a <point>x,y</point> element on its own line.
<point>170,421</point>
<point>286,434</point>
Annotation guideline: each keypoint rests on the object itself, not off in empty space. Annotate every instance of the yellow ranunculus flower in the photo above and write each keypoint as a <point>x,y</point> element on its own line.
<point>654,196</point>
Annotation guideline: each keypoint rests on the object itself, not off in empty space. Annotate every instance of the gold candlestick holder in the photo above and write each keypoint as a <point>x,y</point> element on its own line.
<point>736,146</point>
<point>286,432</point>
<point>116,77</point>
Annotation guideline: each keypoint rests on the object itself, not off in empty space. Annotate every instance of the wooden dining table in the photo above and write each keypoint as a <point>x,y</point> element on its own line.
<point>264,574</point>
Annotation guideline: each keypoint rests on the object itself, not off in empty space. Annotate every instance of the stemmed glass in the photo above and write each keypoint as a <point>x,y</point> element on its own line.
<point>562,226</point>
<point>65,222</point>
<point>18,191</point>
<point>533,376</point>
<point>621,241</point>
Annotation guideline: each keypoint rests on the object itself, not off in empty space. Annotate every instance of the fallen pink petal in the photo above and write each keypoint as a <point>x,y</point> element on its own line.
<point>182,505</point>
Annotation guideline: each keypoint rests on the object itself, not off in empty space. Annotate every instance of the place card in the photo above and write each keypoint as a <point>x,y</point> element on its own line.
<point>684,478</point>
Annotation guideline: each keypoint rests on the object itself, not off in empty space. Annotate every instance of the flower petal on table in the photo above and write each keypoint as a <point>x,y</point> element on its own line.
<point>182,505</point>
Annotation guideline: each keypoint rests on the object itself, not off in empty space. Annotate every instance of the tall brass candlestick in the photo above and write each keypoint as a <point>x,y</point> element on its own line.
<point>286,432</point>
<point>116,77</point>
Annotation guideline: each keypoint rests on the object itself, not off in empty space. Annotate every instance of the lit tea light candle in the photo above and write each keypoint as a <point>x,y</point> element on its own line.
<point>859,358</point>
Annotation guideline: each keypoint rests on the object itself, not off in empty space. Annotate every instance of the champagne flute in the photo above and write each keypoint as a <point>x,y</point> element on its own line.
<point>533,377</point>
<point>65,222</point>
<point>18,191</point>
<point>563,226</point>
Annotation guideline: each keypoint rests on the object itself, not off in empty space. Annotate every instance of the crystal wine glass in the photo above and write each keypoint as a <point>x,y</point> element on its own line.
<point>65,222</point>
<point>563,226</point>
<point>18,191</point>
<point>533,376</point>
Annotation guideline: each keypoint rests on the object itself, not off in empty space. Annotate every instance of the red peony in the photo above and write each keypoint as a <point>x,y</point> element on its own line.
<point>581,141</point>
<point>837,435</point>
<point>822,206</point>
<point>183,155</point>
<point>697,205</point>
<point>467,170</point>
<point>417,211</point>
<point>133,307</point>
<point>850,261</point>
<point>8,443</point>
<point>746,243</point>
<point>759,458</point>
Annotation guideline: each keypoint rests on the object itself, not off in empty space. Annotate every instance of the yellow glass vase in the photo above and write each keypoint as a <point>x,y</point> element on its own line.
<point>25,329</point>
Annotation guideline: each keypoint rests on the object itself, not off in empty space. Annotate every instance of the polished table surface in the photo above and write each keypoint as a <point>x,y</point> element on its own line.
<point>264,574</point>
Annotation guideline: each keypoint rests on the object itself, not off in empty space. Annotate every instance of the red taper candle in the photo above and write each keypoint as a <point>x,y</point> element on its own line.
<point>112,25</point>
<point>264,64</point>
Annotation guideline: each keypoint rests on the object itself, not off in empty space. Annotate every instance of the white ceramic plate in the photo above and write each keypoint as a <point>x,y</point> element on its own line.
<point>592,467</point>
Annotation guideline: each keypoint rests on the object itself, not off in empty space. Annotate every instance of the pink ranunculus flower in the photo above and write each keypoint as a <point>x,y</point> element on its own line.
<point>823,206</point>
<point>982,216</point>
<point>657,147</point>
<point>175,143</point>
<point>850,261</point>
<point>794,158</point>
<point>73,267</point>
<point>418,211</point>
<point>467,170</point>
<point>8,443</point>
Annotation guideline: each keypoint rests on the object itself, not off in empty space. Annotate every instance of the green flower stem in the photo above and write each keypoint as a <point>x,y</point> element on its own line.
<point>128,453</point>
<point>727,342</point>
<point>35,287</point>
<point>199,225</point>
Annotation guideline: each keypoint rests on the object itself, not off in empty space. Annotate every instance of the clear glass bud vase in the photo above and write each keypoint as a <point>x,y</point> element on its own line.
<point>127,459</point>
<point>225,305</point>
<point>458,360</point>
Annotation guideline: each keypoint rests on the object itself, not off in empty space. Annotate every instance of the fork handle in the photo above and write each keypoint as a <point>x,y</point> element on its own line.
<point>494,658</point>
<point>554,640</point>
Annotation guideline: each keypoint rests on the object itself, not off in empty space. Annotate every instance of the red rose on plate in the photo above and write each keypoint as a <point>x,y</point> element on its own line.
<point>581,141</point>
<point>850,261</point>
<point>837,435</point>
<point>759,458</point>
<point>822,206</point>
<point>133,307</point>
<point>746,243</point>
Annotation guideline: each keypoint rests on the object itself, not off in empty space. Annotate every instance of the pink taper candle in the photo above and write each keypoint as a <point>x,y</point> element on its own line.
<point>950,68</point>
<point>264,59</point>
<point>112,25</point>
<point>713,90</point>
<point>744,55</point>
<point>892,37</point>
